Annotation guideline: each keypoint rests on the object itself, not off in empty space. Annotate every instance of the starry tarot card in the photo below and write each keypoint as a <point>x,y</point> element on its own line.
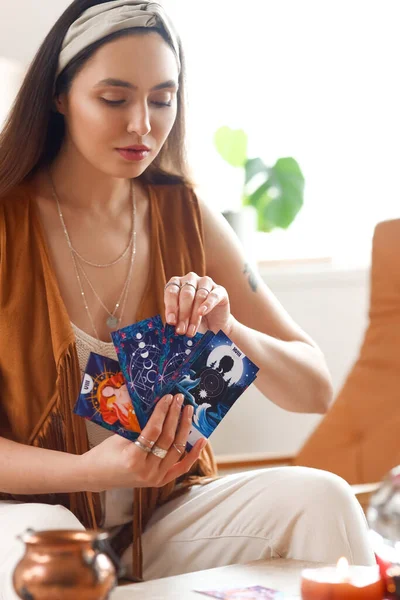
<point>176,348</point>
<point>211,379</point>
<point>139,347</point>
<point>104,398</point>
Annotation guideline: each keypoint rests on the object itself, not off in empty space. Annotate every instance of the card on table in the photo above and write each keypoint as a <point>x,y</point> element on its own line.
<point>255,592</point>
<point>104,398</point>
<point>211,379</point>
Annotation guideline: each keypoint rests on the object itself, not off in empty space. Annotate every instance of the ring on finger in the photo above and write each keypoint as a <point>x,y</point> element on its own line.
<point>173,283</point>
<point>159,452</point>
<point>178,449</point>
<point>205,289</point>
<point>191,285</point>
<point>147,442</point>
<point>142,446</point>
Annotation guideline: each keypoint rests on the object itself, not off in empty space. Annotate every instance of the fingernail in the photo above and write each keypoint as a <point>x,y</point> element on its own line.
<point>204,443</point>
<point>190,412</point>
<point>168,399</point>
<point>171,319</point>
<point>179,399</point>
<point>181,327</point>
<point>192,330</point>
<point>203,310</point>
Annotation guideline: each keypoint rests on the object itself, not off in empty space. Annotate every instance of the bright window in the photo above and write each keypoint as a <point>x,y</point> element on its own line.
<point>317,80</point>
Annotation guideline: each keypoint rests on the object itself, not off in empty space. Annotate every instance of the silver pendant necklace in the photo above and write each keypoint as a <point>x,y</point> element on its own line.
<point>112,321</point>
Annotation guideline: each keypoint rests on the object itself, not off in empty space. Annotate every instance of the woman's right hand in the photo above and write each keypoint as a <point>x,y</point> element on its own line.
<point>119,463</point>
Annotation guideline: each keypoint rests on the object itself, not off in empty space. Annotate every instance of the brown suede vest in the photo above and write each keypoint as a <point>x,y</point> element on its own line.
<point>39,370</point>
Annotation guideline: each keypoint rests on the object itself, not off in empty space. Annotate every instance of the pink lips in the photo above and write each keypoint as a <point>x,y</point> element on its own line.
<point>134,153</point>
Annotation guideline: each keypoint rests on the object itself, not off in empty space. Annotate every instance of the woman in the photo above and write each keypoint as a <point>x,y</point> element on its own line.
<point>100,227</point>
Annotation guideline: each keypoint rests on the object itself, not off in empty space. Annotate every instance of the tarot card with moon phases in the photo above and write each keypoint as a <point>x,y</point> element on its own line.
<point>104,398</point>
<point>139,348</point>
<point>211,379</point>
<point>176,349</point>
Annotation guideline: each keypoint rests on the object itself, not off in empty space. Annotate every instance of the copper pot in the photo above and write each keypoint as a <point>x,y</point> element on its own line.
<point>64,565</point>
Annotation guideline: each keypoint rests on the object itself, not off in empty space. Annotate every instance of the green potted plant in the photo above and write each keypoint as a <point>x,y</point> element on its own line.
<point>275,194</point>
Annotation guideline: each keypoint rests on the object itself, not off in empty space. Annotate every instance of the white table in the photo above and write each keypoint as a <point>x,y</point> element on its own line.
<point>280,574</point>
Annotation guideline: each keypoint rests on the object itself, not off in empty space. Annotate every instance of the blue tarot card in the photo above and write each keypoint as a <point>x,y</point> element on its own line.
<point>139,347</point>
<point>176,349</point>
<point>104,398</point>
<point>211,379</point>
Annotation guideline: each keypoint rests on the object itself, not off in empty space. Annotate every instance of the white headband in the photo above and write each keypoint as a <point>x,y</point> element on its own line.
<point>109,17</point>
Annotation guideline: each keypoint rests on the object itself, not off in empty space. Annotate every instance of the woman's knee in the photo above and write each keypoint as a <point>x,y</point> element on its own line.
<point>48,516</point>
<point>323,484</point>
<point>16,518</point>
<point>306,488</point>
<point>324,491</point>
<point>56,517</point>
<point>42,516</point>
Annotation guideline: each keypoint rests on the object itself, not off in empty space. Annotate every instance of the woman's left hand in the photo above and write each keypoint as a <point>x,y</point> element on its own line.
<point>192,300</point>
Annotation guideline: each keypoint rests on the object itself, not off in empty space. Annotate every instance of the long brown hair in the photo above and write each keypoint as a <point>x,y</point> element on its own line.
<point>34,131</point>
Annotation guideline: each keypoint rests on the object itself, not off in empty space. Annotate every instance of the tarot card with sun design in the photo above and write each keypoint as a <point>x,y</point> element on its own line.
<point>104,398</point>
<point>139,348</point>
<point>211,379</point>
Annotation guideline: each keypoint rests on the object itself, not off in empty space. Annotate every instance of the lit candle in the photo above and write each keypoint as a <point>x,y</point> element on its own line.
<point>342,582</point>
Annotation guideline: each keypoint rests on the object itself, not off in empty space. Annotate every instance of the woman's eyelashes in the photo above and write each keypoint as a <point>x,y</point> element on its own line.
<point>122,101</point>
<point>162,103</point>
<point>113,102</point>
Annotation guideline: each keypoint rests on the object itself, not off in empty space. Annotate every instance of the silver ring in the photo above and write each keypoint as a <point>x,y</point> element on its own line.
<point>201,288</point>
<point>142,446</point>
<point>173,283</point>
<point>159,452</point>
<point>177,449</point>
<point>191,285</point>
<point>151,444</point>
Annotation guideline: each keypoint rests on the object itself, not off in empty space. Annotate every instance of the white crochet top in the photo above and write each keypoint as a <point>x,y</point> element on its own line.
<point>117,504</point>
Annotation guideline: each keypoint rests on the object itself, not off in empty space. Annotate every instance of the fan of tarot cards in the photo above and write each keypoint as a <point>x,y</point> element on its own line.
<point>209,370</point>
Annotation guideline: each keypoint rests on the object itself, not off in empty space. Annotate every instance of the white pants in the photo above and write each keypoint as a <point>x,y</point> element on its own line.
<point>292,512</point>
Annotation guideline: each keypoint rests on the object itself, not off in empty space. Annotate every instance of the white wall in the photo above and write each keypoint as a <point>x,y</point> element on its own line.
<point>331,305</point>
<point>24,24</point>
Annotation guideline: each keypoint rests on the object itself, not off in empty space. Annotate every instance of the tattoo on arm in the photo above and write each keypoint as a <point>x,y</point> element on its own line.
<point>252,277</point>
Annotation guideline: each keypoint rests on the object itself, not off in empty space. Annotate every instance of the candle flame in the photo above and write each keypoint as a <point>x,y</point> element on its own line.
<point>342,568</point>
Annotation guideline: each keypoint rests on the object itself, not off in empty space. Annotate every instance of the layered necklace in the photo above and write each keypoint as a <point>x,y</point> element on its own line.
<point>114,319</point>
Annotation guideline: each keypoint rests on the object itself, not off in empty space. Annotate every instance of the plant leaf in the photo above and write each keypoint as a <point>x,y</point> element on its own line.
<point>260,200</point>
<point>286,188</point>
<point>253,167</point>
<point>232,145</point>
<point>257,197</point>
